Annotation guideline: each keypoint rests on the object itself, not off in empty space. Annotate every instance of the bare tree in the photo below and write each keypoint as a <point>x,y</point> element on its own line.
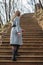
<point>12,8</point>
<point>1,14</point>
<point>6,11</point>
<point>40,4</point>
<point>13,5</point>
<point>1,20</point>
<point>9,9</point>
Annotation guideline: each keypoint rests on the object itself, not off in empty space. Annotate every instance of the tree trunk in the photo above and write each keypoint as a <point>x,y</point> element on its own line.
<point>1,20</point>
<point>6,11</point>
<point>9,9</point>
<point>40,4</point>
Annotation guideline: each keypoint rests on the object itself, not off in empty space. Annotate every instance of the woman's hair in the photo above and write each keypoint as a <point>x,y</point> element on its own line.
<point>17,13</point>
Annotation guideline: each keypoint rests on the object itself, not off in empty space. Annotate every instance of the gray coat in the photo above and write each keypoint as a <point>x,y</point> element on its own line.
<point>14,37</point>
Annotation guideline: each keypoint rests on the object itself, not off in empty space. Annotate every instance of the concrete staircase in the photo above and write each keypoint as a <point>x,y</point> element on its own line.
<point>31,53</point>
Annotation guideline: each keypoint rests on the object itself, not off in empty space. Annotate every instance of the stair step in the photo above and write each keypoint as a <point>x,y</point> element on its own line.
<point>22,51</point>
<point>30,25</point>
<point>26,32</point>
<point>35,36</point>
<point>7,38</point>
<point>27,36</point>
<point>24,41</point>
<point>22,57</point>
<point>20,61</point>
<point>23,47</point>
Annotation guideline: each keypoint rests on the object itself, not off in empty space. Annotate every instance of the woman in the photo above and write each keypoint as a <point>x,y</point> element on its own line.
<point>16,35</point>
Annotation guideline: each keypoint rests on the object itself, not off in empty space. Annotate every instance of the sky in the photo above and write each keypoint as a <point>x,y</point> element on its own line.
<point>25,6</point>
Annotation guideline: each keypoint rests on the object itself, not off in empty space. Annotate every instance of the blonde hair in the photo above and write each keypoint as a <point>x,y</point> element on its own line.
<point>17,13</point>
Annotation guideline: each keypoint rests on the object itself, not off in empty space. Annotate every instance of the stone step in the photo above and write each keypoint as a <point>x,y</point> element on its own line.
<point>32,28</point>
<point>23,47</point>
<point>22,57</point>
<point>30,25</point>
<point>24,51</point>
<point>7,38</point>
<point>21,62</point>
<point>29,31</point>
<point>24,41</point>
<point>27,36</point>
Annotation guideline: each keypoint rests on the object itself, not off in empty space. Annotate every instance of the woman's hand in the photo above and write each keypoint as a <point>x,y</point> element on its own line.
<point>19,33</point>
